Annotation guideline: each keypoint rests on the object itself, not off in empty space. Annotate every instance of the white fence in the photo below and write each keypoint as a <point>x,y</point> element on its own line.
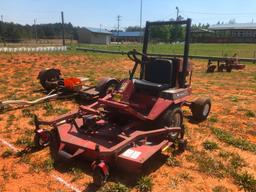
<point>33,49</point>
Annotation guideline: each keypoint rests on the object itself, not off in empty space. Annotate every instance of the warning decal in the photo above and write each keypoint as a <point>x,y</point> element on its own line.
<point>131,154</point>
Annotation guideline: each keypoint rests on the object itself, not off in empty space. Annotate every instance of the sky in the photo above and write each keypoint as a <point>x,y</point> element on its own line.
<point>103,13</point>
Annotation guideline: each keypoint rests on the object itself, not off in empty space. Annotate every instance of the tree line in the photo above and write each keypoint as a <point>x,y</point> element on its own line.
<point>12,32</point>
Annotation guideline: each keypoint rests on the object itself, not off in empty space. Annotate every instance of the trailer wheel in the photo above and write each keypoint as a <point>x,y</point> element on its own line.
<point>54,146</point>
<point>173,117</point>
<point>106,85</point>
<point>211,69</point>
<point>42,140</point>
<point>221,68</point>
<point>229,69</point>
<point>98,177</point>
<point>200,108</point>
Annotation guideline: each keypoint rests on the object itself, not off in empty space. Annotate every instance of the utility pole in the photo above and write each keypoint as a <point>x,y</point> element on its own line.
<point>141,20</point>
<point>178,12</point>
<point>118,25</point>
<point>3,37</point>
<point>35,30</point>
<point>63,31</point>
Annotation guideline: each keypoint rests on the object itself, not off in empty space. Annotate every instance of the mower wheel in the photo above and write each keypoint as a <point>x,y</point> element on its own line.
<point>42,140</point>
<point>200,108</point>
<point>211,69</point>
<point>182,145</point>
<point>106,85</point>
<point>173,117</point>
<point>54,146</point>
<point>98,177</point>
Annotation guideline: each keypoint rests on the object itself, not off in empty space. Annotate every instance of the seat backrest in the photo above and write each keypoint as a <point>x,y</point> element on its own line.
<point>161,71</point>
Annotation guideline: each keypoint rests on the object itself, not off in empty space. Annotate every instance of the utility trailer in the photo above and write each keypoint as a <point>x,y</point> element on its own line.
<point>224,64</point>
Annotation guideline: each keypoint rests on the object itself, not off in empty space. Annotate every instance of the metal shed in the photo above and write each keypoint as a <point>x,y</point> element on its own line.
<point>94,36</point>
<point>133,36</point>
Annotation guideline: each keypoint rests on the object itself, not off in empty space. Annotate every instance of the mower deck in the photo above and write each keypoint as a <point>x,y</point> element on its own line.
<point>112,142</point>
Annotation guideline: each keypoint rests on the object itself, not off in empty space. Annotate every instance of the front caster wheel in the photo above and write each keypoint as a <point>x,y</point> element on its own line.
<point>100,173</point>
<point>42,139</point>
<point>98,177</point>
<point>182,145</point>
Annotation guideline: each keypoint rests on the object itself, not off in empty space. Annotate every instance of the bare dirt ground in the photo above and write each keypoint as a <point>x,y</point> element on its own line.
<point>221,155</point>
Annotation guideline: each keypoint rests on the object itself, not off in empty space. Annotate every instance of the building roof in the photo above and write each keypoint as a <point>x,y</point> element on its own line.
<point>128,34</point>
<point>233,26</point>
<point>98,30</point>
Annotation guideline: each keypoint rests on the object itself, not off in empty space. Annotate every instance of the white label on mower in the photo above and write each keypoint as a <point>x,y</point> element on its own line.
<point>131,154</point>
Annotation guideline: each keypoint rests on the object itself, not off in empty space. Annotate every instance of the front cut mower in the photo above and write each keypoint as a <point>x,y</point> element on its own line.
<point>134,122</point>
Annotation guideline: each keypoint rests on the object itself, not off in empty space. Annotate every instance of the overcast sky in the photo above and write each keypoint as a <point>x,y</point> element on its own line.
<point>93,13</point>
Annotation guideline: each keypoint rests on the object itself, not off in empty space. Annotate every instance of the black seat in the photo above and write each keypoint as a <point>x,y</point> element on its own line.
<point>149,86</point>
<point>158,76</point>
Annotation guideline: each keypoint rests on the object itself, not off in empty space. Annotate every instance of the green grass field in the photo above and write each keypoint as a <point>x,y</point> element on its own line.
<point>243,50</point>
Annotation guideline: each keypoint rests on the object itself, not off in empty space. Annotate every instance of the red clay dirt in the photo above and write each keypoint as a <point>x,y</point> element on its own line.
<point>233,109</point>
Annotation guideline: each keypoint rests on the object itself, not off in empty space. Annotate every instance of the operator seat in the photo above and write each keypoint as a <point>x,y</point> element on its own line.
<point>160,74</point>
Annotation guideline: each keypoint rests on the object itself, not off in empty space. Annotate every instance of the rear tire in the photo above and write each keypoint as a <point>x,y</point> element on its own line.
<point>200,108</point>
<point>173,117</point>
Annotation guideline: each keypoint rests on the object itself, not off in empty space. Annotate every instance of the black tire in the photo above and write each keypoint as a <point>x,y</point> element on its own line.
<point>221,68</point>
<point>182,145</point>
<point>200,108</point>
<point>48,75</point>
<point>39,142</point>
<point>173,117</point>
<point>229,69</point>
<point>98,177</point>
<point>211,69</point>
<point>54,146</point>
<point>105,85</point>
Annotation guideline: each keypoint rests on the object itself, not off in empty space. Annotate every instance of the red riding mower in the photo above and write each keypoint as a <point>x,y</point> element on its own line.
<point>141,117</point>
